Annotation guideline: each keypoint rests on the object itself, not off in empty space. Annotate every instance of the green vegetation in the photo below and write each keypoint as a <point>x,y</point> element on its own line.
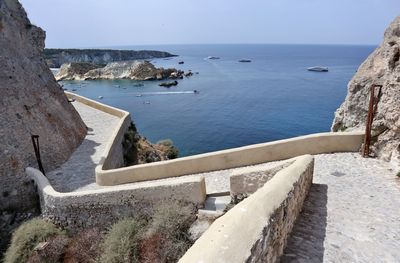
<point>27,237</point>
<point>172,152</point>
<point>121,243</point>
<point>129,145</point>
<point>155,234</point>
<point>398,174</point>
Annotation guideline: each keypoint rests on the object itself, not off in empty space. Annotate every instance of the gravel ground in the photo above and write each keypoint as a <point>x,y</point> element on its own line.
<point>352,213</point>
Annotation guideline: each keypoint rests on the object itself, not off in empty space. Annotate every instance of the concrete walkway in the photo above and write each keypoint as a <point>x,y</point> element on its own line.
<point>79,170</point>
<point>352,213</point>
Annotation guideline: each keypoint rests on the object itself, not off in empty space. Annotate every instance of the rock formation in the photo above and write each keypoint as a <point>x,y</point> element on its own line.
<point>31,102</point>
<point>75,70</point>
<point>138,150</point>
<point>135,70</point>
<point>56,57</point>
<point>381,67</point>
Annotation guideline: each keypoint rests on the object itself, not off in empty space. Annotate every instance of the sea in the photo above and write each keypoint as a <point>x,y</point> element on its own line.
<point>272,97</point>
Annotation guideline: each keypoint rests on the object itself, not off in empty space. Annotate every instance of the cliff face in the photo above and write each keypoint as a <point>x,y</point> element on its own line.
<point>135,70</point>
<point>381,67</point>
<point>56,57</point>
<point>31,102</point>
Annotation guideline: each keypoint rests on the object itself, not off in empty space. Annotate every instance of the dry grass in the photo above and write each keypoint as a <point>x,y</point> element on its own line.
<point>84,247</point>
<point>121,243</point>
<point>26,237</point>
<point>52,252</point>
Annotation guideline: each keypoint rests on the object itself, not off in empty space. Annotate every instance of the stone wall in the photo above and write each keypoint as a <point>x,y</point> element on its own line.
<point>256,229</point>
<point>247,180</point>
<point>102,207</point>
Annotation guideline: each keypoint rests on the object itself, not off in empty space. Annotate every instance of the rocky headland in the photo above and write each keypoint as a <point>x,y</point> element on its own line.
<point>381,67</point>
<point>56,57</point>
<point>134,70</point>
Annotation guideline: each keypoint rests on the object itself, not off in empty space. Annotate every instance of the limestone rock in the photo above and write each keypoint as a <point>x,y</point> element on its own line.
<point>56,57</point>
<point>135,70</point>
<point>75,70</point>
<point>31,102</point>
<point>381,67</point>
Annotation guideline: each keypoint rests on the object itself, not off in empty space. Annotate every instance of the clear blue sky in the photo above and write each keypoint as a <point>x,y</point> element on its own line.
<point>94,23</point>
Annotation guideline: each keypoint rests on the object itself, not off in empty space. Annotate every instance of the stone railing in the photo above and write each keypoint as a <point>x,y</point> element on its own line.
<point>256,229</point>
<point>236,157</point>
<point>102,207</point>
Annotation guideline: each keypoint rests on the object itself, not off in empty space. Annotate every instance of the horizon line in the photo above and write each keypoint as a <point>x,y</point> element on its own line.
<point>198,44</point>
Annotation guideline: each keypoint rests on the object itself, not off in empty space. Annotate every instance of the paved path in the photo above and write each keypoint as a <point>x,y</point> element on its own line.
<point>352,213</point>
<point>79,170</point>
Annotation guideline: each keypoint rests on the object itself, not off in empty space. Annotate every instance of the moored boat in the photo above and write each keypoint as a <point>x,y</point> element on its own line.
<point>318,69</point>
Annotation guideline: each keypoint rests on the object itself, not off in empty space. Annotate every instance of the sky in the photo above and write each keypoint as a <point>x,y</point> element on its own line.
<point>101,23</point>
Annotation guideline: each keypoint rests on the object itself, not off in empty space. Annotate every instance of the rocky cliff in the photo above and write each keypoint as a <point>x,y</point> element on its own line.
<point>56,57</point>
<point>381,67</point>
<point>135,70</point>
<point>31,102</point>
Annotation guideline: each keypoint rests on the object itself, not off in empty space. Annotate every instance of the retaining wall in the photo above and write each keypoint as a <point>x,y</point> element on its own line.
<point>256,229</point>
<point>231,158</point>
<point>102,207</point>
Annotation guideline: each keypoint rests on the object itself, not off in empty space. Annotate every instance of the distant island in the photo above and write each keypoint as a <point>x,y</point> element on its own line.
<point>56,57</point>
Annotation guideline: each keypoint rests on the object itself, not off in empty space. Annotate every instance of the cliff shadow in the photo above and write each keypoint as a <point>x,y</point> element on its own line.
<point>79,170</point>
<point>306,241</point>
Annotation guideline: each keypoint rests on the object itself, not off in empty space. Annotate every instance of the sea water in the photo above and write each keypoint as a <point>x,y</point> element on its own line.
<point>273,97</point>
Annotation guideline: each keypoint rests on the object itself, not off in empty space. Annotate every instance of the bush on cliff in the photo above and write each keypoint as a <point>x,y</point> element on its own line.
<point>167,238</point>
<point>121,243</point>
<point>27,237</point>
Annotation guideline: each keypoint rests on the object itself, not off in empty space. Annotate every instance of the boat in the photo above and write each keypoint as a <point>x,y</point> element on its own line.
<point>196,91</point>
<point>318,69</point>
<point>181,62</point>
<point>100,97</point>
<point>212,57</point>
<point>139,95</point>
<point>245,60</point>
<point>168,84</point>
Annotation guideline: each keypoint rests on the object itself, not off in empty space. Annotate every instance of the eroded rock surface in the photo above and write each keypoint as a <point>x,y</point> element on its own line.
<point>381,67</point>
<point>135,70</point>
<point>56,57</point>
<point>31,102</point>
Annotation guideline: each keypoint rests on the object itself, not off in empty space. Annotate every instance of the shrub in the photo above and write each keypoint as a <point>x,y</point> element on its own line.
<point>398,174</point>
<point>84,248</point>
<point>52,252</point>
<point>26,237</point>
<point>166,142</point>
<point>172,220</point>
<point>121,243</point>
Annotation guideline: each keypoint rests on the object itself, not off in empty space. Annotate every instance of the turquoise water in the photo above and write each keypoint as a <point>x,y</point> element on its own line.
<point>273,97</point>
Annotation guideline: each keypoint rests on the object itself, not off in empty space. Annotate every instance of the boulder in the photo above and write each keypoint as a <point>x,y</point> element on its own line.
<point>381,67</point>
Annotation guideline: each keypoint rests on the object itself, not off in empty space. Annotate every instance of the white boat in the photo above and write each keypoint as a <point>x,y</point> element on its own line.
<point>212,57</point>
<point>100,97</point>
<point>318,69</point>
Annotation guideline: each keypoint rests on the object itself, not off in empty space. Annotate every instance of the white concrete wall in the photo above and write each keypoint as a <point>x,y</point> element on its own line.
<point>104,206</point>
<point>256,229</point>
<point>236,157</point>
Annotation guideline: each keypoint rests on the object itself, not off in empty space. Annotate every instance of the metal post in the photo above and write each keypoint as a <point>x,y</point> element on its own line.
<point>372,107</point>
<point>35,142</point>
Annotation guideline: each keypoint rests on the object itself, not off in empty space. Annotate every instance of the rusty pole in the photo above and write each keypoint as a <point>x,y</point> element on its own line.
<point>35,142</point>
<point>372,107</point>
